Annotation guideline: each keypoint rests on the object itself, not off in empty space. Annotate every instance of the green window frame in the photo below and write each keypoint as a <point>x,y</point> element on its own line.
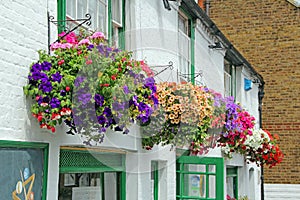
<point>212,173</point>
<point>83,160</point>
<point>232,172</point>
<point>62,13</point>
<point>191,34</point>
<point>5,144</point>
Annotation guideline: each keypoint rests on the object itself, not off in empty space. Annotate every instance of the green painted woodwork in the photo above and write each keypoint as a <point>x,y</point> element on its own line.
<point>61,15</point>
<point>76,161</point>
<point>155,171</point>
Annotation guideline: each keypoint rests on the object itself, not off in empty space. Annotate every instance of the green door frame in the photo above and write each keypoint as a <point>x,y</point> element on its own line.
<point>207,161</point>
<point>32,145</point>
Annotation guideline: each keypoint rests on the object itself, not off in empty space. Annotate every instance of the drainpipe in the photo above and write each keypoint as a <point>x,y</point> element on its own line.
<point>207,5</point>
<point>261,94</point>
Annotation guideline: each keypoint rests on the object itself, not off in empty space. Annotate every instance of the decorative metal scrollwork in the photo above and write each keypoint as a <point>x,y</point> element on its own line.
<point>61,23</point>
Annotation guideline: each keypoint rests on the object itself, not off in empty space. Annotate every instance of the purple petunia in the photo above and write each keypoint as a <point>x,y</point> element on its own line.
<point>107,112</point>
<point>84,98</point>
<point>63,93</point>
<point>56,77</point>
<point>54,103</point>
<point>45,99</point>
<point>125,89</point>
<point>45,86</point>
<point>101,119</point>
<point>99,100</point>
<point>79,80</point>
<point>36,67</point>
<point>46,66</point>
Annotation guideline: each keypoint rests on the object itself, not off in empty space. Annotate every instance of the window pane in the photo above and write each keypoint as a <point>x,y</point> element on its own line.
<point>194,185</point>
<point>71,8</point>
<point>212,168</point>
<point>101,17</point>
<point>116,11</point>
<point>212,186</point>
<point>21,173</point>
<point>81,8</point>
<point>93,13</point>
<point>75,186</point>
<point>230,182</point>
<point>182,24</point>
<point>110,186</point>
<point>195,168</point>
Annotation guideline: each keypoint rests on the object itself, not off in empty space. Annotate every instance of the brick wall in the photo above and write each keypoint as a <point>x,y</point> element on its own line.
<point>23,31</point>
<point>267,33</point>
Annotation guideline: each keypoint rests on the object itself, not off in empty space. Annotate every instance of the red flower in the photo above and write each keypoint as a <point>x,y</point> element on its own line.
<point>68,88</point>
<point>53,129</point>
<point>88,62</point>
<point>61,62</point>
<point>113,77</point>
<point>40,118</point>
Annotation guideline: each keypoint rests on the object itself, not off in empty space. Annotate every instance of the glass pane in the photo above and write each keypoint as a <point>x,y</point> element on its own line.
<point>182,24</point>
<point>81,8</point>
<point>73,186</point>
<point>194,185</point>
<point>230,183</point>
<point>195,168</point>
<point>101,17</point>
<point>212,186</point>
<point>93,13</point>
<point>212,168</point>
<point>71,8</point>
<point>116,11</point>
<point>110,186</point>
<point>21,173</point>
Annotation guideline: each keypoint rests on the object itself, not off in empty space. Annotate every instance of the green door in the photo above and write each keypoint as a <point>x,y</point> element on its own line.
<point>200,178</point>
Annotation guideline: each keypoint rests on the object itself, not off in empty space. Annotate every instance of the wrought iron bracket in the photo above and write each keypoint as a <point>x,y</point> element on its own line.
<point>188,76</point>
<point>165,67</point>
<point>60,23</point>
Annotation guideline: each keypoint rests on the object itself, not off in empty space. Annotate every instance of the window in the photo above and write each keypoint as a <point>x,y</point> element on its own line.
<point>199,178</point>
<point>91,174</point>
<point>185,46</point>
<point>23,170</point>
<point>76,9</point>
<point>227,79</point>
<point>232,181</point>
<point>107,16</point>
<point>117,21</point>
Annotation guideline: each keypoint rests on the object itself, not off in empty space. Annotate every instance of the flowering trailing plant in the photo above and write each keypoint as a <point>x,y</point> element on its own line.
<point>116,89</point>
<point>50,80</point>
<point>238,125</point>
<point>182,118</point>
<point>238,136</point>
<point>83,68</point>
<point>262,148</point>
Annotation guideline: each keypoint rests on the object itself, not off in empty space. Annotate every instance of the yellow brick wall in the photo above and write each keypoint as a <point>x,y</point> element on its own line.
<point>267,34</point>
